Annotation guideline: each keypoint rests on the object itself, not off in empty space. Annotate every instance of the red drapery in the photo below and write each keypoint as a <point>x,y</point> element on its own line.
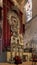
<point>6,28</point>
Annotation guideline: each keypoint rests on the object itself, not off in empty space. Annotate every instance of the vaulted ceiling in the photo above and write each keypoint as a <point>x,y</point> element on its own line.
<point>19,1</point>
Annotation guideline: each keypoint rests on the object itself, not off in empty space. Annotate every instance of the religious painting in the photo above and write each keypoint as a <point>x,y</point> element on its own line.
<point>14,20</point>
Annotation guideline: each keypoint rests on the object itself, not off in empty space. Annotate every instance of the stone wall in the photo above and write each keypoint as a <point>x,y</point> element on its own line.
<point>34,7</point>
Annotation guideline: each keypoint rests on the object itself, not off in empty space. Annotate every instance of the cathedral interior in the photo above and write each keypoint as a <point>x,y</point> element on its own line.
<point>18,30</point>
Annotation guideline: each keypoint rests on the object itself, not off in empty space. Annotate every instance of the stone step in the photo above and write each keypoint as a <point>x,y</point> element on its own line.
<point>3,57</point>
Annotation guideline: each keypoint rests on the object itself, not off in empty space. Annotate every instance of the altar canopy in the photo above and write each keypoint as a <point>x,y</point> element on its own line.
<point>7,6</point>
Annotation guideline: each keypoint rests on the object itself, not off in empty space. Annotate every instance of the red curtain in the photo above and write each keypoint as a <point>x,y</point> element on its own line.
<point>6,27</point>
